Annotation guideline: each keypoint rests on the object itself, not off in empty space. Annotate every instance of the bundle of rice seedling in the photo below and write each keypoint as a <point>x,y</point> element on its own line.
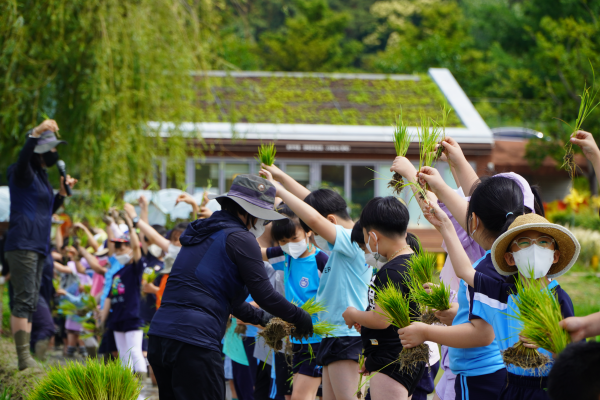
<point>240,329</point>
<point>266,154</point>
<point>445,114</point>
<point>538,310</point>
<point>401,143</point>
<point>395,307</point>
<point>421,270</point>
<point>438,298</point>
<point>93,379</point>
<point>278,330</point>
<point>587,105</point>
<point>92,329</point>
<point>361,364</point>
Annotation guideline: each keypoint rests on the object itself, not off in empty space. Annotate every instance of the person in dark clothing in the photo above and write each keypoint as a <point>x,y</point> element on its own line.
<point>219,264</point>
<point>42,327</point>
<point>32,203</point>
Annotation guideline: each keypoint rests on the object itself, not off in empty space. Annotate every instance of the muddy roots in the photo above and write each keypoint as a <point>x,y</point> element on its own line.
<point>396,183</point>
<point>274,333</point>
<point>409,358</point>
<point>524,357</point>
<point>240,329</point>
<point>430,319</point>
<point>569,162</point>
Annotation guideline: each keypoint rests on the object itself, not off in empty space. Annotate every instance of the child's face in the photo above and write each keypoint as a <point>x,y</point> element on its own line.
<point>298,236</point>
<point>175,235</point>
<point>122,249</point>
<point>529,238</point>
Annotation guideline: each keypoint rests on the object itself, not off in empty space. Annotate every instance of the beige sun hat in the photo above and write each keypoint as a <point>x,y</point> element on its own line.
<point>568,245</point>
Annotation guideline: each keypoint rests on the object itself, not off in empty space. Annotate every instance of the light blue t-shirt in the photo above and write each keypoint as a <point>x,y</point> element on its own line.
<point>114,267</point>
<point>301,278</point>
<point>344,282</point>
<point>474,361</point>
<point>251,330</point>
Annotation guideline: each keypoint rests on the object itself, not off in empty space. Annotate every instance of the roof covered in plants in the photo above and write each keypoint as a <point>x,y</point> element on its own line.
<point>314,98</point>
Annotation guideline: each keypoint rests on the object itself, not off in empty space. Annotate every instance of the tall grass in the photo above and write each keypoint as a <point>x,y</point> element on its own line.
<point>266,154</point>
<point>93,380</point>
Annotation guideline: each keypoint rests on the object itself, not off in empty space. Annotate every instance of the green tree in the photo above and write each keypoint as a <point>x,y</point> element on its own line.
<point>103,69</point>
<point>311,40</point>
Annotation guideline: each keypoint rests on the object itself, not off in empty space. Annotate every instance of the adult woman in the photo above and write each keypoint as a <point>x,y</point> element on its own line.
<point>32,203</point>
<point>219,262</point>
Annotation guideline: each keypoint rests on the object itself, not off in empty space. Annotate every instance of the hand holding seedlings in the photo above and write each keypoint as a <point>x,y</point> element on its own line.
<point>401,143</point>
<point>266,154</point>
<point>413,335</point>
<point>588,145</point>
<point>446,317</point>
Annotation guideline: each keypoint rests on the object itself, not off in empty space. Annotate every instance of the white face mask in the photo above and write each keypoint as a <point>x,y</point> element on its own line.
<point>259,228</point>
<point>370,259</point>
<point>155,250</point>
<point>534,258</point>
<point>322,243</point>
<point>124,258</point>
<point>295,249</point>
<point>375,253</point>
<point>172,253</point>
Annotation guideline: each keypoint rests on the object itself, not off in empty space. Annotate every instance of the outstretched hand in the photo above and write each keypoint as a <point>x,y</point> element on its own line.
<point>588,145</point>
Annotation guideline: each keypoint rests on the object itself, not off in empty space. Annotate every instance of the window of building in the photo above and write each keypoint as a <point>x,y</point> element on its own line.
<point>301,173</point>
<point>205,174</point>
<point>332,176</point>
<point>363,185</point>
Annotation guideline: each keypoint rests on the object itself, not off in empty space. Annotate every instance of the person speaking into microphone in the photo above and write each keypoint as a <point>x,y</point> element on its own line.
<point>32,203</point>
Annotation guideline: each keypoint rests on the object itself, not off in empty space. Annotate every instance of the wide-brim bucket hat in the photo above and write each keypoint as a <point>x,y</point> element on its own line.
<point>46,142</point>
<point>568,245</point>
<point>254,194</point>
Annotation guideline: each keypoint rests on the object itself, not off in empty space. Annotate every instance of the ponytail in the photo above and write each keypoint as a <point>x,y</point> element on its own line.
<point>413,241</point>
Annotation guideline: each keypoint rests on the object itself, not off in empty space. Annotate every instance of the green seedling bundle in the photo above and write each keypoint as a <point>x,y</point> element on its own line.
<point>395,307</point>
<point>538,310</point>
<point>266,154</point>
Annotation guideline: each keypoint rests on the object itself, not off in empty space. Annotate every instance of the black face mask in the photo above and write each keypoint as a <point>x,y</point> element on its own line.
<point>50,158</point>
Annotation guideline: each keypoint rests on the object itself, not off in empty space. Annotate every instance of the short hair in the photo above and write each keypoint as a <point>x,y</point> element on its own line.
<point>162,231</point>
<point>357,235</point>
<point>386,214</point>
<point>327,202</point>
<point>285,228</point>
<point>574,374</point>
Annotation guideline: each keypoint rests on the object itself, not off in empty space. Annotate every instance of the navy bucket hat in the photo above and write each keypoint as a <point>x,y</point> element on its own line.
<point>254,194</point>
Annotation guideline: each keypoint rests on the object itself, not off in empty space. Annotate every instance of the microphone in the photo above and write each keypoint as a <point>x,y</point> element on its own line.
<point>60,164</point>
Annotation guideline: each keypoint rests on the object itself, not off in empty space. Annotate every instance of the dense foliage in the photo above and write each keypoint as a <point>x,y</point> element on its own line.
<point>102,68</point>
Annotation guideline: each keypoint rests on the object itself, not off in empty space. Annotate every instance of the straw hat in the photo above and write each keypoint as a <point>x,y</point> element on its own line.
<point>567,244</point>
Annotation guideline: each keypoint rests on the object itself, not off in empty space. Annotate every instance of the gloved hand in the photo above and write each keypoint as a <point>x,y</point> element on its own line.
<point>266,317</point>
<point>304,326</point>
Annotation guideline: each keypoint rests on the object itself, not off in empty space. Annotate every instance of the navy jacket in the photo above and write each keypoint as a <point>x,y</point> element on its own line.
<point>32,203</point>
<point>205,286</point>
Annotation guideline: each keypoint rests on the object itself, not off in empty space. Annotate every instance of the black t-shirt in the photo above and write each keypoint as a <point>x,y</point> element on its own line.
<point>377,339</point>
<point>125,296</point>
<point>148,300</point>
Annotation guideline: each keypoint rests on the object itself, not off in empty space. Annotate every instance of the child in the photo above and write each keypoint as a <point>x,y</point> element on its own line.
<point>123,301</point>
<point>344,281</point>
<point>75,290</point>
<point>302,265</point>
<point>384,221</point>
<point>530,242</point>
<point>575,373</point>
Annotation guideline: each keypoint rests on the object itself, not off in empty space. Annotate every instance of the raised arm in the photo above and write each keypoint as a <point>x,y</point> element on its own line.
<point>460,261</point>
<point>133,238</point>
<point>465,174</point>
<point>186,198</point>
<point>148,230</point>
<point>110,234</point>
<point>457,205</point>
<point>23,173</point>
<point>62,268</point>
<point>287,181</point>
<point>317,223</point>
<point>92,261</point>
<point>588,145</point>
<point>91,241</point>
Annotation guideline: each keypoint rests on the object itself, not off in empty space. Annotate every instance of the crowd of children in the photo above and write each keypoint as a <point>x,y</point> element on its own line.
<point>207,290</point>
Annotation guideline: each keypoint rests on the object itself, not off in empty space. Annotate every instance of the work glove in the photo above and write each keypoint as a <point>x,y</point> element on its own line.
<point>303,327</point>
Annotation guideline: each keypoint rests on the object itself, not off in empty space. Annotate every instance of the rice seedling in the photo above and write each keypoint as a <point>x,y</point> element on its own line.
<point>6,393</point>
<point>438,298</point>
<point>92,380</point>
<point>445,114</point>
<point>106,201</point>
<point>361,364</point>
<point>538,310</point>
<point>395,307</point>
<point>92,329</point>
<point>278,330</point>
<point>401,143</point>
<point>266,154</point>
<point>587,105</point>
<point>421,270</point>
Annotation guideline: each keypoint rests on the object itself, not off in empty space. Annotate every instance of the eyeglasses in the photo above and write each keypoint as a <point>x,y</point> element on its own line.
<point>543,241</point>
